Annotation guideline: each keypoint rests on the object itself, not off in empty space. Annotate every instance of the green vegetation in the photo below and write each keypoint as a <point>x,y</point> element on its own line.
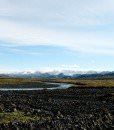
<point>6,117</point>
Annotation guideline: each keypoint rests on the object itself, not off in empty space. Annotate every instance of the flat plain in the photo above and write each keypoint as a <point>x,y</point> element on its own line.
<point>88,104</point>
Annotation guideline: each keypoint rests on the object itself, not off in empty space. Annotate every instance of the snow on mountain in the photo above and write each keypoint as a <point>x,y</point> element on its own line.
<point>62,74</point>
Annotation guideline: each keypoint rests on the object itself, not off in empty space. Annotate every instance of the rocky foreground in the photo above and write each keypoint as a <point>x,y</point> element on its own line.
<point>70,109</point>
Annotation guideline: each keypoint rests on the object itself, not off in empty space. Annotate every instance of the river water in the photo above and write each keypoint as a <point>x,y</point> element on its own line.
<point>59,86</point>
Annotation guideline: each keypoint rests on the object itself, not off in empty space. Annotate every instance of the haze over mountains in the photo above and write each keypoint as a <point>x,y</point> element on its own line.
<point>61,74</point>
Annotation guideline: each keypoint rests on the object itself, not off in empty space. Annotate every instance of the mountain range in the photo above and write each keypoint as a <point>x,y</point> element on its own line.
<point>62,74</point>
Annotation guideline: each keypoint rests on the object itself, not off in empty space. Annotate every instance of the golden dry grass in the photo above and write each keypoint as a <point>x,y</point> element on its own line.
<point>81,82</point>
<point>88,82</point>
<point>17,80</point>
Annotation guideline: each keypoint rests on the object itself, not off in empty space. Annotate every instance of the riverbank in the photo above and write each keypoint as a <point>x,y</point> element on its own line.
<point>85,83</point>
<point>43,83</point>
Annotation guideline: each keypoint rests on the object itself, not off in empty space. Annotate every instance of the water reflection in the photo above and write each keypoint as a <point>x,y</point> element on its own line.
<point>59,86</point>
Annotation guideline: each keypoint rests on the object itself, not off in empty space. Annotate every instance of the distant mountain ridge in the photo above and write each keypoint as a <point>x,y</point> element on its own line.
<point>62,74</point>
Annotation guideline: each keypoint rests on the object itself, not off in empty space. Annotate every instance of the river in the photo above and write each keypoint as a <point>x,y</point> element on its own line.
<point>60,86</point>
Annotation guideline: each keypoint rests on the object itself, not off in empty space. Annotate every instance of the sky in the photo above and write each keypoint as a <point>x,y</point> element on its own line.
<point>51,35</point>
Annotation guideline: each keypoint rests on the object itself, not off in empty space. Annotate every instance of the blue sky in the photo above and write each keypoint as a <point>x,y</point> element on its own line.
<point>56,35</point>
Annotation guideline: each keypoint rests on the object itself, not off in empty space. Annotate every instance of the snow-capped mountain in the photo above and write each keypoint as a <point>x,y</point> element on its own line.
<point>61,74</point>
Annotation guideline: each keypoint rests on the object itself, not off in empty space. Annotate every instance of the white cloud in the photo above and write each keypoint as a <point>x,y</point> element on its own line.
<point>21,51</point>
<point>17,35</point>
<point>35,22</point>
<point>74,66</point>
<point>7,70</point>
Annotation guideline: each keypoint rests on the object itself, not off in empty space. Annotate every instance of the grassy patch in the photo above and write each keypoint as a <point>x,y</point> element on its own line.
<point>88,82</point>
<point>23,83</point>
<point>29,82</point>
<point>18,80</point>
<point>19,117</point>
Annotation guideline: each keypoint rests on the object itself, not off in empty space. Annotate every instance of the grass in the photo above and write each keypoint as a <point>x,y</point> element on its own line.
<point>19,117</point>
<point>81,82</point>
<point>23,83</point>
<point>17,80</point>
<point>88,82</point>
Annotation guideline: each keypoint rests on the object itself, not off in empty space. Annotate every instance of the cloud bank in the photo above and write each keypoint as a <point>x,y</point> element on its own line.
<point>83,26</point>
